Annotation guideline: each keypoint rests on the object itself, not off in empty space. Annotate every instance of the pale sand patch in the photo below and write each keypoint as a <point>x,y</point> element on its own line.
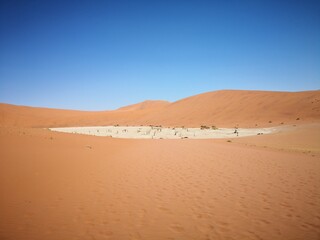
<point>152,132</point>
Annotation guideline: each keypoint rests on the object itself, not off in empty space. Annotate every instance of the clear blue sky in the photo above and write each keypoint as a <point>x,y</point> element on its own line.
<point>96,55</point>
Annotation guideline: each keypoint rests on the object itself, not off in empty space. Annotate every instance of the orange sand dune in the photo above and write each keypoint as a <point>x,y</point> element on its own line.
<point>219,108</point>
<point>64,186</point>
<point>242,108</point>
<point>18,116</point>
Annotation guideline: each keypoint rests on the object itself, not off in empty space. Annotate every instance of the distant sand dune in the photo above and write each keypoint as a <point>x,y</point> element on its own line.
<point>219,108</point>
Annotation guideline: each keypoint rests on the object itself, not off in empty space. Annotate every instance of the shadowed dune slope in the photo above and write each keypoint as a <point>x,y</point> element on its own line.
<point>227,108</point>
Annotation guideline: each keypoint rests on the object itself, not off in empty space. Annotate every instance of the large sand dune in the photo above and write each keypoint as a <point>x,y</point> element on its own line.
<point>244,108</point>
<point>220,108</point>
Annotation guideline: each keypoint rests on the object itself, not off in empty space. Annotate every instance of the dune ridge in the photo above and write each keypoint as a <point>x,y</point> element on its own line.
<point>148,104</point>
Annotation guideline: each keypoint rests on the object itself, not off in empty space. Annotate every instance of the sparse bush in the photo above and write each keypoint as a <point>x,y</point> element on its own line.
<point>270,121</point>
<point>214,127</point>
<point>229,141</point>
<point>298,119</point>
<point>204,127</point>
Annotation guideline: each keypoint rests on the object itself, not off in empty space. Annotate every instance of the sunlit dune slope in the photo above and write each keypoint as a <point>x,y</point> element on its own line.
<point>244,108</point>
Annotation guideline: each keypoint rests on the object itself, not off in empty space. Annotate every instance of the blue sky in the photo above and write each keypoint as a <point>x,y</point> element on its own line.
<point>97,55</point>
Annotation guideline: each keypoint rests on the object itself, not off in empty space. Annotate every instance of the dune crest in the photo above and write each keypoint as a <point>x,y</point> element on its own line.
<point>148,104</point>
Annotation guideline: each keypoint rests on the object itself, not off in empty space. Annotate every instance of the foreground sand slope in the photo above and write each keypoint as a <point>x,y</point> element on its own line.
<point>62,186</point>
<point>219,108</point>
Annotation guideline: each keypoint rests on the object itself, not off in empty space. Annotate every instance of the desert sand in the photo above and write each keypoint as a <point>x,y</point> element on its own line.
<point>72,186</point>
